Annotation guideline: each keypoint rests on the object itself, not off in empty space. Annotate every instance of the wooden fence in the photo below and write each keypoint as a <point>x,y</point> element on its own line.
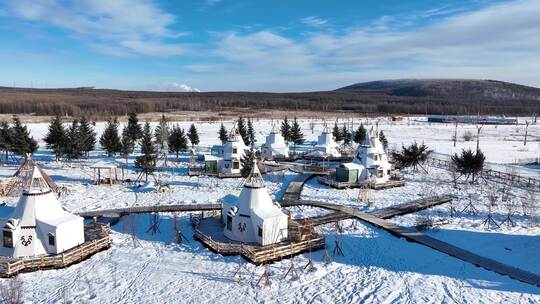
<point>11,267</point>
<point>261,254</point>
<point>529,182</point>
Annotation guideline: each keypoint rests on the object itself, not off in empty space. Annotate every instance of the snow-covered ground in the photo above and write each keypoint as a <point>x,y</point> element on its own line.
<point>376,268</point>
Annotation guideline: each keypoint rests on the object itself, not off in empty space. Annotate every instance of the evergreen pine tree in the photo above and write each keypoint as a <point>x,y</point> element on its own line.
<point>134,128</point>
<point>88,136</point>
<point>297,137</point>
<point>251,133</point>
<point>6,138</point>
<point>74,143</point>
<point>336,132</point>
<point>383,140</point>
<point>56,138</point>
<point>109,140</point>
<point>247,163</point>
<point>412,156</point>
<point>286,130</point>
<point>127,146</point>
<point>469,163</point>
<point>241,125</point>
<point>222,134</point>
<point>177,140</point>
<point>193,135</point>
<point>360,134</point>
<point>146,162</point>
<point>347,136</point>
<point>22,142</point>
<point>162,134</point>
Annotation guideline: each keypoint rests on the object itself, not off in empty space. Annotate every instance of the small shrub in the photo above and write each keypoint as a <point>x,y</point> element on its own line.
<point>467,136</point>
<point>423,223</point>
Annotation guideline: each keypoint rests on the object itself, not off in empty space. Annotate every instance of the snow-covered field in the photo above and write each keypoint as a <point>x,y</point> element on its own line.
<point>376,268</point>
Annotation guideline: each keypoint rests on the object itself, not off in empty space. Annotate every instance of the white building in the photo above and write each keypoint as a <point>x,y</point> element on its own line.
<point>253,217</point>
<point>39,225</point>
<point>233,152</point>
<point>326,146</point>
<point>275,145</point>
<point>370,162</point>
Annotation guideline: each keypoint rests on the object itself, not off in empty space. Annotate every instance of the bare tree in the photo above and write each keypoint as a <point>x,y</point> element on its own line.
<point>526,132</point>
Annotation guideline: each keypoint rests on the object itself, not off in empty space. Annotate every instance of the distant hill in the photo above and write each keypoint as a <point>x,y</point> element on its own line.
<point>409,96</point>
<point>448,88</point>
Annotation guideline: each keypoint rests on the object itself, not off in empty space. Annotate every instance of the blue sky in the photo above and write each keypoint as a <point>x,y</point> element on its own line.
<point>264,45</point>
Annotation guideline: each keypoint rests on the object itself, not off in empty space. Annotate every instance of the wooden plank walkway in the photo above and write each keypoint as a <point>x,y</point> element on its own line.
<point>330,181</point>
<point>150,209</point>
<point>293,190</point>
<point>415,236</point>
<point>292,198</point>
<point>412,206</point>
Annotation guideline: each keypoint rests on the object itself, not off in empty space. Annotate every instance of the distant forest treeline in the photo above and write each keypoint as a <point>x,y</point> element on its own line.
<point>99,103</point>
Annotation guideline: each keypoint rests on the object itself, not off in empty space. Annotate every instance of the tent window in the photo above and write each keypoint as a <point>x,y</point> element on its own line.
<point>8,238</point>
<point>234,150</point>
<point>260,231</point>
<point>229,222</point>
<point>236,164</point>
<point>52,239</point>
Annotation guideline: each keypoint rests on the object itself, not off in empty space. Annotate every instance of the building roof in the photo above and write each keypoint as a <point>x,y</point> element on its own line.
<point>105,164</point>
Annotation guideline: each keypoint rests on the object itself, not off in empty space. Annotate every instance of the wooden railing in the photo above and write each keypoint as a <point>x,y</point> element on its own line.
<point>13,266</point>
<point>529,182</point>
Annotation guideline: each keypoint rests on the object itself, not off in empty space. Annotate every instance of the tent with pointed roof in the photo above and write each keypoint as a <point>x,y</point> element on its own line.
<point>370,161</point>
<point>275,145</point>
<point>23,177</point>
<point>253,217</point>
<point>39,225</point>
<point>326,145</point>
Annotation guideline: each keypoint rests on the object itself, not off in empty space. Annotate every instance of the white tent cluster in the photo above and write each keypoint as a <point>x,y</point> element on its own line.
<point>370,161</point>
<point>39,225</point>
<point>275,145</point>
<point>253,217</point>
<point>326,146</point>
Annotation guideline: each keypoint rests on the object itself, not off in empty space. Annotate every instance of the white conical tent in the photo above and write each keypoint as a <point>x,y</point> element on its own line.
<point>254,217</point>
<point>326,144</point>
<point>39,225</point>
<point>373,158</point>
<point>275,145</point>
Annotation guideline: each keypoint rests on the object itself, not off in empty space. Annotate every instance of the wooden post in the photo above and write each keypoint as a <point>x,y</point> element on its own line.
<point>526,130</point>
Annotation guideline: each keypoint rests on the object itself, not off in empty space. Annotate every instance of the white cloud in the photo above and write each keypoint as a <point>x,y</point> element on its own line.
<point>496,42</point>
<point>172,87</point>
<point>314,21</point>
<point>119,25</point>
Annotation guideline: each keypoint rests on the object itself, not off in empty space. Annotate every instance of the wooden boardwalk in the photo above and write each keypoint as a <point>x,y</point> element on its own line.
<point>150,209</point>
<point>415,236</point>
<point>292,198</point>
<point>412,206</point>
<point>330,181</point>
